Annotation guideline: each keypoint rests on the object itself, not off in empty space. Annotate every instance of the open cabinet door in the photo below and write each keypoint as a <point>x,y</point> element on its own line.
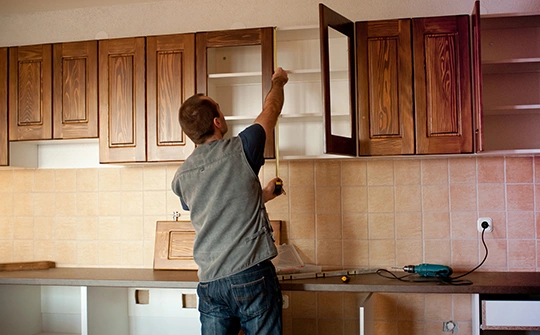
<point>339,82</point>
<point>477,77</point>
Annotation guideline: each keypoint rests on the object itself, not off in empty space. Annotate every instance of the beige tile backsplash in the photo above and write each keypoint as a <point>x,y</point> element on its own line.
<point>376,212</point>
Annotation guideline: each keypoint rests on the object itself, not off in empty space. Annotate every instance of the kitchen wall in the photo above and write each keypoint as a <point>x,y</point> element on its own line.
<point>350,213</point>
<point>338,213</point>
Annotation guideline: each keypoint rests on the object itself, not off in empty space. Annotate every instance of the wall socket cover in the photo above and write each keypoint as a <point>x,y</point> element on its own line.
<point>489,221</point>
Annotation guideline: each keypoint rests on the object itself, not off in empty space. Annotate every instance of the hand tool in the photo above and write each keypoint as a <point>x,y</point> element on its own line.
<point>278,189</point>
<point>429,270</point>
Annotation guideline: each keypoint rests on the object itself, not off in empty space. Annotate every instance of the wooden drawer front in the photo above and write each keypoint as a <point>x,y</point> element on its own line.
<point>510,315</point>
<point>173,248</point>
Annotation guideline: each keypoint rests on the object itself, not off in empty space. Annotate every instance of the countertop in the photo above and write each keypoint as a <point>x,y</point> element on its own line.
<point>482,282</point>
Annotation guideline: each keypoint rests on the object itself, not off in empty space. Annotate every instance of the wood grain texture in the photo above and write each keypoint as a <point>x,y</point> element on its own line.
<point>27,266</point>
<point>385,87</point>
<point>477,78</point>
<point>122,105</point>
<point>442,81</point>
<point>75,99</point>
<point>170,80</point>
<point>4,138</point>
<point>30,92</point>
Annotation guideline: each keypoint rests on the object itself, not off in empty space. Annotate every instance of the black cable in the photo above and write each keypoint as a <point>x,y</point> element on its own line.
<point>441,280</point>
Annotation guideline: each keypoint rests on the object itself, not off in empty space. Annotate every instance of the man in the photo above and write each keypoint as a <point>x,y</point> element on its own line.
<point>219,184</point>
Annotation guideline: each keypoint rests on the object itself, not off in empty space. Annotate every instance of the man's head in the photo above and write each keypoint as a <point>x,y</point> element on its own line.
<point>200,117</point>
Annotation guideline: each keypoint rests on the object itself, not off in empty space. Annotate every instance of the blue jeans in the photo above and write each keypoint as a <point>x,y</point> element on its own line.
<point>250,300</point>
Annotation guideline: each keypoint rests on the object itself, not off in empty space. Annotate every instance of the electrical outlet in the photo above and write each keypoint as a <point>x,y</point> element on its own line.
<point>489,229</point>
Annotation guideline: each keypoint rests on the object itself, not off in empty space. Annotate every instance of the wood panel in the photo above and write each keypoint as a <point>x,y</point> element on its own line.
<point>335,144</point>
<point>241,37</point>
<point>477,77</point>
<point>385,93</point>
<point>30,92</point>
<point>75,99</point>
<point>170,80</point>
<point>442,82</point>
<point>4,139</point>
<point>122,121</point>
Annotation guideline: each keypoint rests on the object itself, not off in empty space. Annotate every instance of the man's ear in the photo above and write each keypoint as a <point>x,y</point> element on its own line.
<point>217,123</point>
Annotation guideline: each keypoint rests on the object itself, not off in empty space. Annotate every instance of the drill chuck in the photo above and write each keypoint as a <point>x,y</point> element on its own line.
<point>429,270</point>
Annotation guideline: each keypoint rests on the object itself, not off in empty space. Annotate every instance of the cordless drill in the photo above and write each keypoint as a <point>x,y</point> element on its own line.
<point>429,270</point>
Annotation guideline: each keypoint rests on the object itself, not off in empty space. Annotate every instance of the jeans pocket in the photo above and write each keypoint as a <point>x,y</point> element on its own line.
<point>251,298</point>
<point>206,304</point>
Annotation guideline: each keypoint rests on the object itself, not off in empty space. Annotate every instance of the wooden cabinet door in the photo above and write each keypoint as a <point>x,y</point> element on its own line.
<point>385,92</point>
<point>4,143</point>
<point>238,38</point>
<point>122,100</point>
<point>170,80</point>
<point>477,77</point>
<point>335,143</point>
<point>442,85</point>
<point>75,90</point>
<point>30,92</point>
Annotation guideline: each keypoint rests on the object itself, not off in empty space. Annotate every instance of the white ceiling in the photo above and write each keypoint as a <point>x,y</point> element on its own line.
<point>9,7</point>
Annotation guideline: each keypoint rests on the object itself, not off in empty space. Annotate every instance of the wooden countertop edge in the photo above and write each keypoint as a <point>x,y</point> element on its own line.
<point>483,282</point>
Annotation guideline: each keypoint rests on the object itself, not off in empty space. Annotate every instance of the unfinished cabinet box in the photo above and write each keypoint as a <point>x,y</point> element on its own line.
<point>235,67</point>
<point>505,314</point>
<point>47,310</point>
<point>140,311</point>
<point>509,113</point>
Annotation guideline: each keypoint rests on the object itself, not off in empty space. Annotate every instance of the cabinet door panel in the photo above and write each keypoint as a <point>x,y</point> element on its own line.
<point>385,87</point>
<point>442,82</point>
<point>75,90</point>
<point>4,143</point>
<point>122,135</point>
<point>477,77</point>
<point>334,143</point>
<point>170,80</point>
<point>30,92</point>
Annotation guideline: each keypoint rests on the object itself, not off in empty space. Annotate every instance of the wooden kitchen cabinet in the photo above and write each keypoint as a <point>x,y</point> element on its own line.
<point>4,139</point>
<point>414,86</point>
<point>235,67</point>
<point>30,92</point>
<point>75,105</point>
<point>170,80</point>
<point>53,91</point>
<point>122,106</point>
<point>509,79</point>
<point>442,85</point>
<point>143,82</point>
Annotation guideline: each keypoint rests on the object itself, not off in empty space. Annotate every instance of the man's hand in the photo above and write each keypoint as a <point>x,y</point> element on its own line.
<point>268,191</point>
<point>280,77</point>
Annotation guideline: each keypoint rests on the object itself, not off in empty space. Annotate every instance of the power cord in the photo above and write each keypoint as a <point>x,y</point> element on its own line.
<point>441,280</point>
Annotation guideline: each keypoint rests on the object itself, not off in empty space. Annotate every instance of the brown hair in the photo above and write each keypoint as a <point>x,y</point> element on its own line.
<point>196,117</point>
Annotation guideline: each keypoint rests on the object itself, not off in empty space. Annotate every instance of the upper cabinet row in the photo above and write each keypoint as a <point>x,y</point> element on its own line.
<point>54,91</point>
<point>435,85</point>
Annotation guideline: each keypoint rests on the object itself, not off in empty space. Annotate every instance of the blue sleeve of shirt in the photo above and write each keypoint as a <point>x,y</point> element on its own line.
<point>253,140</point>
